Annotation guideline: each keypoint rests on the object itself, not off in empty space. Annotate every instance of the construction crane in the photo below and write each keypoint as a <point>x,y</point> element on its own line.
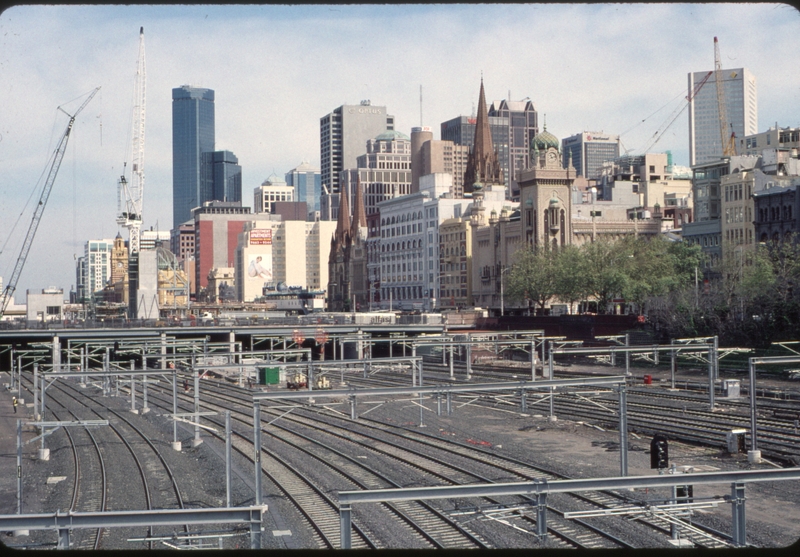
<point>58,156</point>
<point>130,195</point>
<point>678,111</point>
<point>728,140</point>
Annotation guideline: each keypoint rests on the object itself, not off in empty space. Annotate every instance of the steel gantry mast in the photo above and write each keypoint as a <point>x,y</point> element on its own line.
<point>130,195</point>
<point>58,156</point>
<point>728,139</point>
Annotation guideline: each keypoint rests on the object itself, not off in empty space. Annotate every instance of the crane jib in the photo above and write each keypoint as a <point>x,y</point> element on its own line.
<point>39,209</point>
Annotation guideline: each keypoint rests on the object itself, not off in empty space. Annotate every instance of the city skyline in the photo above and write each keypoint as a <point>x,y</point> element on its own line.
<point>585,67</point>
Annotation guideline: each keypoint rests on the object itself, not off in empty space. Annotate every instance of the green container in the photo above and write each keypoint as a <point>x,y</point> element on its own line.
<point>269,375</point>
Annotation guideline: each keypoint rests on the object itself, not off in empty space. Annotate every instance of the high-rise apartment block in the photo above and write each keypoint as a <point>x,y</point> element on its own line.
<point>192,135</point>
<point>94,268</point>
<point>343,134</point>
<point>306,180</point>
<point>741,107</point>
<point>587,151</point>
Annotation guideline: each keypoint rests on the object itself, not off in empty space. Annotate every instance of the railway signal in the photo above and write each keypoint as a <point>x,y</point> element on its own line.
<point>659,452</point>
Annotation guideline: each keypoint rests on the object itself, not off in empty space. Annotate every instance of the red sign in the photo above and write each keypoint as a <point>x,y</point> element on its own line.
<point>261,237</point>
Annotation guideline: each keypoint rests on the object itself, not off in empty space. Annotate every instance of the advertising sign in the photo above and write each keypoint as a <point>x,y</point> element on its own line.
<point>261,237</point>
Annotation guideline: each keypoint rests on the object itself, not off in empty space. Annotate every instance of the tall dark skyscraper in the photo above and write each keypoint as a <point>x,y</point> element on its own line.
<point>223,170</point>
<point>192,135</point>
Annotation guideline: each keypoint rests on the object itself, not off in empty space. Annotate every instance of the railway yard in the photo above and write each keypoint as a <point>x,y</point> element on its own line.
<point>108,449</point>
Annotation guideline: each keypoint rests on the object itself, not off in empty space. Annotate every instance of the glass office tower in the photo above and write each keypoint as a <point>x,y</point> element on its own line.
<point>306,181</point>
<point>192,135</point>
<point>222,168</point>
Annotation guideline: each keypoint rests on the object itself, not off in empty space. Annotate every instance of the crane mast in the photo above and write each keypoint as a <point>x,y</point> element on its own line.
<point>130,195</point>
<point>39,209</point>
<point>728,139</point>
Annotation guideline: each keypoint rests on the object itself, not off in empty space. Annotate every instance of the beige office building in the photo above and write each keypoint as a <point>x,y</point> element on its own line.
<point>293,252</point>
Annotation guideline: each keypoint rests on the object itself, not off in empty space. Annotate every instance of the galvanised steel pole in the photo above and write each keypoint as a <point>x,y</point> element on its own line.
<point>133,391</point>
<point>533,360</point>
<point>19,466</point>
<point>753,432</point>
<point>196,441</point>
<point>257,447</point>
<point>344,526</point>
<point>175,409</point>
<point>36,391</point>
<point>711,375</point>
<point>673,367</point>
<point>227,458</point>
<point>623,431</point>
<point>739,533</point>
<point>628,355</point>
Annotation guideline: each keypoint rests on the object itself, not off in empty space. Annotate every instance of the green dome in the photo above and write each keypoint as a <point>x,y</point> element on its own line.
<point>542,141</point>
<point>390,135</point>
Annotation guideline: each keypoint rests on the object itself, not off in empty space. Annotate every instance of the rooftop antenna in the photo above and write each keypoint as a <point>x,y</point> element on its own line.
<point>420,106</point>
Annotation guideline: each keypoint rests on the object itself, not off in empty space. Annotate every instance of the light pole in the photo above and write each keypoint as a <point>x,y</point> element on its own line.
<point>502,291</point>
<point>740,249</point>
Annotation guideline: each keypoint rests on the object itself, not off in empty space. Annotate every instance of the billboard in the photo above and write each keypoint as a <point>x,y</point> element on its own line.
<point>259,268</point>
<point>261,237</point>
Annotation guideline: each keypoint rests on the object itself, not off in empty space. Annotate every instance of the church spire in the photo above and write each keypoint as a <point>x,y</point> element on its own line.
<point>359,213</point>
<point>483,133</point>
<point>482,165</point>
<point>343,222</point>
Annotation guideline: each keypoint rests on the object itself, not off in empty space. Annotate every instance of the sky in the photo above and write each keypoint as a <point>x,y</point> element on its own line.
<point>276,70</point>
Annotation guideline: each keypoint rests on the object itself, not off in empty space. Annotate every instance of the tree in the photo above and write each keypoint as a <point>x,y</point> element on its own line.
<point>656,266</point>
<point>571,284</point>
<point>532,276</point>
<point>605,271</point>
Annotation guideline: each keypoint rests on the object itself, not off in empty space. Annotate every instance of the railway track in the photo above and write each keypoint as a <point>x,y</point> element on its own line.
<point>98,487</point>
<point>305,449</point>
<point>565,530</point>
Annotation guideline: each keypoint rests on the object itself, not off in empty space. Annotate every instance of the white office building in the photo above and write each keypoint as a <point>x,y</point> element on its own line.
<point>741,107</point>
<point>271,190</point>
<point>342,135</point>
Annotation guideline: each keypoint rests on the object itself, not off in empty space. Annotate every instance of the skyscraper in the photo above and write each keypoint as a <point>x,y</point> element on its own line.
<point>587,151</point>
<point>343,135</point>
<point>225,175</point>
<point>306,180</point>
<point>192,135</point>
<point>741,106</point>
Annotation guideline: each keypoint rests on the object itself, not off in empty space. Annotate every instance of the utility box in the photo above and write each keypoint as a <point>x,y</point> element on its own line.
<point>269,375</point>
<point>736,441</point>
<point>731,388</point>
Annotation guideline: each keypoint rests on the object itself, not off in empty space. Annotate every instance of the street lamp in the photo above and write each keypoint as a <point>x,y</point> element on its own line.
<point>502,290</point>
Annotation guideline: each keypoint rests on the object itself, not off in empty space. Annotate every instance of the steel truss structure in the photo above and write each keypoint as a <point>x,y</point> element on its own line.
<point>539,490</point>
<point>64,523</point>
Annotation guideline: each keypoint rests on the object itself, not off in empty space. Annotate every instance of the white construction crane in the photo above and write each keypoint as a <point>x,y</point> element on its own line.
<point>58,156</point>
<point>728,139</point>
<point>130,195</point>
